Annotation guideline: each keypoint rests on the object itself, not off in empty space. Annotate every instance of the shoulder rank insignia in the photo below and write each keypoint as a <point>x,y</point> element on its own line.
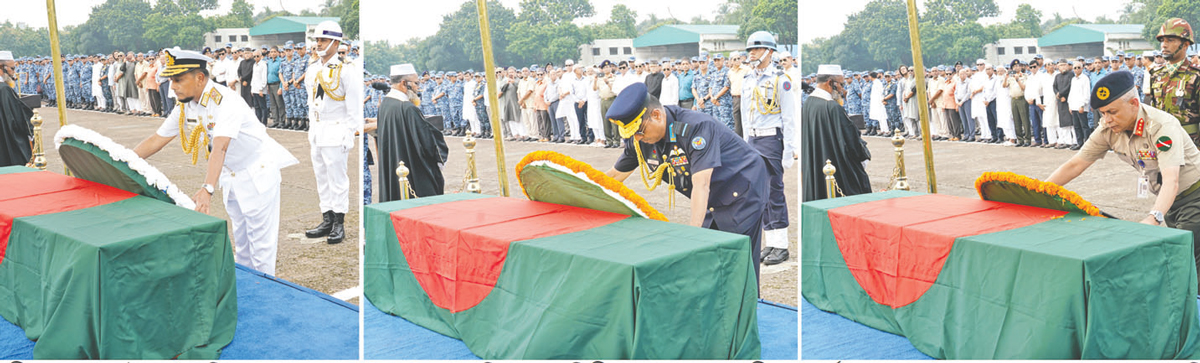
<point>204,99</point>
<point>216,97</point>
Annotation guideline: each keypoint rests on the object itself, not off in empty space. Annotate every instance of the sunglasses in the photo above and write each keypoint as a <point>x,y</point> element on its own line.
<point>1078,68</point>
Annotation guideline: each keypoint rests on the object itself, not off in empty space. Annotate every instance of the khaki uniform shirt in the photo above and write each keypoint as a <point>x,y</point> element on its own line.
<point>1156,139</point>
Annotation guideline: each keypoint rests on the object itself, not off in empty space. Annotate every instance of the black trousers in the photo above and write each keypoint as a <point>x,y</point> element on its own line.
<point>155,100</point>
<point>991,118</point>
<point>1080,121</point>
<point>260,107</point>
<point>585,133</point>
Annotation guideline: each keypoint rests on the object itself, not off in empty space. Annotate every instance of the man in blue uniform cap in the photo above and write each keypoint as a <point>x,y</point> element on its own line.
<point>701,158</point>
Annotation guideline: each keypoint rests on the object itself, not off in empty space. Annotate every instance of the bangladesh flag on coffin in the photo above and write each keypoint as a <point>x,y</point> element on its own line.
<point>964,278</point>
<point>520,279</point>
<point>77,257</point>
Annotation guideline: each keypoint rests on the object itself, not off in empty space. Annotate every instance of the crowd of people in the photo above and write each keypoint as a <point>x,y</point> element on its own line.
<point>270,79</point>
<point>566,104</point>
<point>1040,103</point>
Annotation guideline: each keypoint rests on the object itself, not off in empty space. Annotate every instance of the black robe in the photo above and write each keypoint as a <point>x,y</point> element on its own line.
<point>15,129</point>
<point>1062,88</point>
<point>404,135</point>
<point>827,134</point>
<point>654,84</point>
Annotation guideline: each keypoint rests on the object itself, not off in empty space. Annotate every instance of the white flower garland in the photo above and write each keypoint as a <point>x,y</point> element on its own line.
<point>120,153</point>
<point>584,177</point>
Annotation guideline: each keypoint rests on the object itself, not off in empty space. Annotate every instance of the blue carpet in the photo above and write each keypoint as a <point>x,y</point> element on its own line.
<point>276,320</point>
<point>829,336</point>
<point>391,337</point>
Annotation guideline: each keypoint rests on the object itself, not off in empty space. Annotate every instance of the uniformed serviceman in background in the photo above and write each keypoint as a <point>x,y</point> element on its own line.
<point>244,160</point>
<point>335,106</point>
<point>1175,85</point>
<point>701,158</point>
<point>768,110</point>
<point>1150,140</point>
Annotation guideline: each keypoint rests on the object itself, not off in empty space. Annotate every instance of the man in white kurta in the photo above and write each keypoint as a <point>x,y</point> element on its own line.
<point>335,102</point>
<point>877,112</point>
<point>244,162</point>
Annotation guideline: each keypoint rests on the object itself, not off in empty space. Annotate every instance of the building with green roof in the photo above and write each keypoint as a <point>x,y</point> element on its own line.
<point>1093,40</point>
<point>280,29</point>
<point>679,41</point>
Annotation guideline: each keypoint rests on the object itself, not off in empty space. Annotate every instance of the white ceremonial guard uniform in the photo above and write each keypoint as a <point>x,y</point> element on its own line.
<point>249,179</point>
<point>336,116</point>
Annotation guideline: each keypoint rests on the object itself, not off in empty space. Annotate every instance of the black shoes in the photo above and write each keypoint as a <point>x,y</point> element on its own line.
<point>323,229</point>
<point>774,256</point>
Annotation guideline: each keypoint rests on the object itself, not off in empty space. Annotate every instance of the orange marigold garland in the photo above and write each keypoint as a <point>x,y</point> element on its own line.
<point>1066,198</point>
<point>594,175</point>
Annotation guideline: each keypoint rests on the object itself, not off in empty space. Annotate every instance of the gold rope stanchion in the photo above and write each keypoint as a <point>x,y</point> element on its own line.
<point>405,188</point>
<point>899,179</point>
<point>831,187</point>
<point>472,177</point>
<point>39,155</point>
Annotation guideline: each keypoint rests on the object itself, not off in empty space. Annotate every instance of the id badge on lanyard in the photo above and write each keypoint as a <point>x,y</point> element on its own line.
<point>1143,183</point>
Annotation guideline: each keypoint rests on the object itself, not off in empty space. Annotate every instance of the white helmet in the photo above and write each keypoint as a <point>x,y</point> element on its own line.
<point>329,30</point>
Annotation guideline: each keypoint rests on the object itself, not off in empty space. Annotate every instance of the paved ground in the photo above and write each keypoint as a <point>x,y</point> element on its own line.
<point>310,263</point>
<point>779,282</point>
<point>1109,183</point>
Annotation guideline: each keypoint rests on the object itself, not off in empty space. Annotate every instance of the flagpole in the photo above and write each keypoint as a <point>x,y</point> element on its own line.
<point>922,99</point>
<point>489,66</point>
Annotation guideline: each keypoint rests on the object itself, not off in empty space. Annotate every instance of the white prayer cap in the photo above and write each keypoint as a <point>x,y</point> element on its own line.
<point>979,61</point>
<point>403,70</point>
<point>6,55</point>
<point>569,62</point>
<point>785,54</point>
<point>829,70</point>
<point>999,67</point>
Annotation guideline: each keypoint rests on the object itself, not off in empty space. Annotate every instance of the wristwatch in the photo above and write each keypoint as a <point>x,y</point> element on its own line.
<point>1158,216</point>
<point>209,188</point>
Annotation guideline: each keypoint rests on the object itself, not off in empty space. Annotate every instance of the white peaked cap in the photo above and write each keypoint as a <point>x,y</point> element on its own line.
<point>829,70</point>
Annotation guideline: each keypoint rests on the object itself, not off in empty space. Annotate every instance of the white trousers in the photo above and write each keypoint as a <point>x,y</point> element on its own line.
<point>255,222</point>
<point>132,104</point>
<point>981,123</point>
<point>98,92</point>
<point>527,120</point>
<point>333,184</point>
<point>516,128</point>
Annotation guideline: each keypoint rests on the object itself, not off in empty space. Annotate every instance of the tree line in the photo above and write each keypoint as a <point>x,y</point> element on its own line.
<point>544,31</point>
<point>877,36</point>
<point>138,25</point>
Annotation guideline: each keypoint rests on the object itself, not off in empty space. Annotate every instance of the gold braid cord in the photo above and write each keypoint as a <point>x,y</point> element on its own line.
<point>330,85</point>
<point>652,179</point>
<point>765,105</point>
<point>190,141</point>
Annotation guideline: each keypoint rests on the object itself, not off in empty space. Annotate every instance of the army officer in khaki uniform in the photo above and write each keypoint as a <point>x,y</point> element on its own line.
<point>1150,140</point>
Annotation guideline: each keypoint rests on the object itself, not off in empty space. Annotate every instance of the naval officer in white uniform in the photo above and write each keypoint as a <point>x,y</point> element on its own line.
<point>243,160</point>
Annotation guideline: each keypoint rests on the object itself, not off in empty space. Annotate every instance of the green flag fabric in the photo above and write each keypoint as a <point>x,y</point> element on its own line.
<point>1067,287</point>
<point>631,289</point>
<point>134,278</point>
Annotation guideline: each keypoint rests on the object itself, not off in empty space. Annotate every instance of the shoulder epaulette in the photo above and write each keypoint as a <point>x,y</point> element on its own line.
<point>216,97</point>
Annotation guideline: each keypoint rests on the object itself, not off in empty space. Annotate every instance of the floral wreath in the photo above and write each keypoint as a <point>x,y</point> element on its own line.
<point>585,172</point>
<point>120,153</point>
<point>1013,188</point>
